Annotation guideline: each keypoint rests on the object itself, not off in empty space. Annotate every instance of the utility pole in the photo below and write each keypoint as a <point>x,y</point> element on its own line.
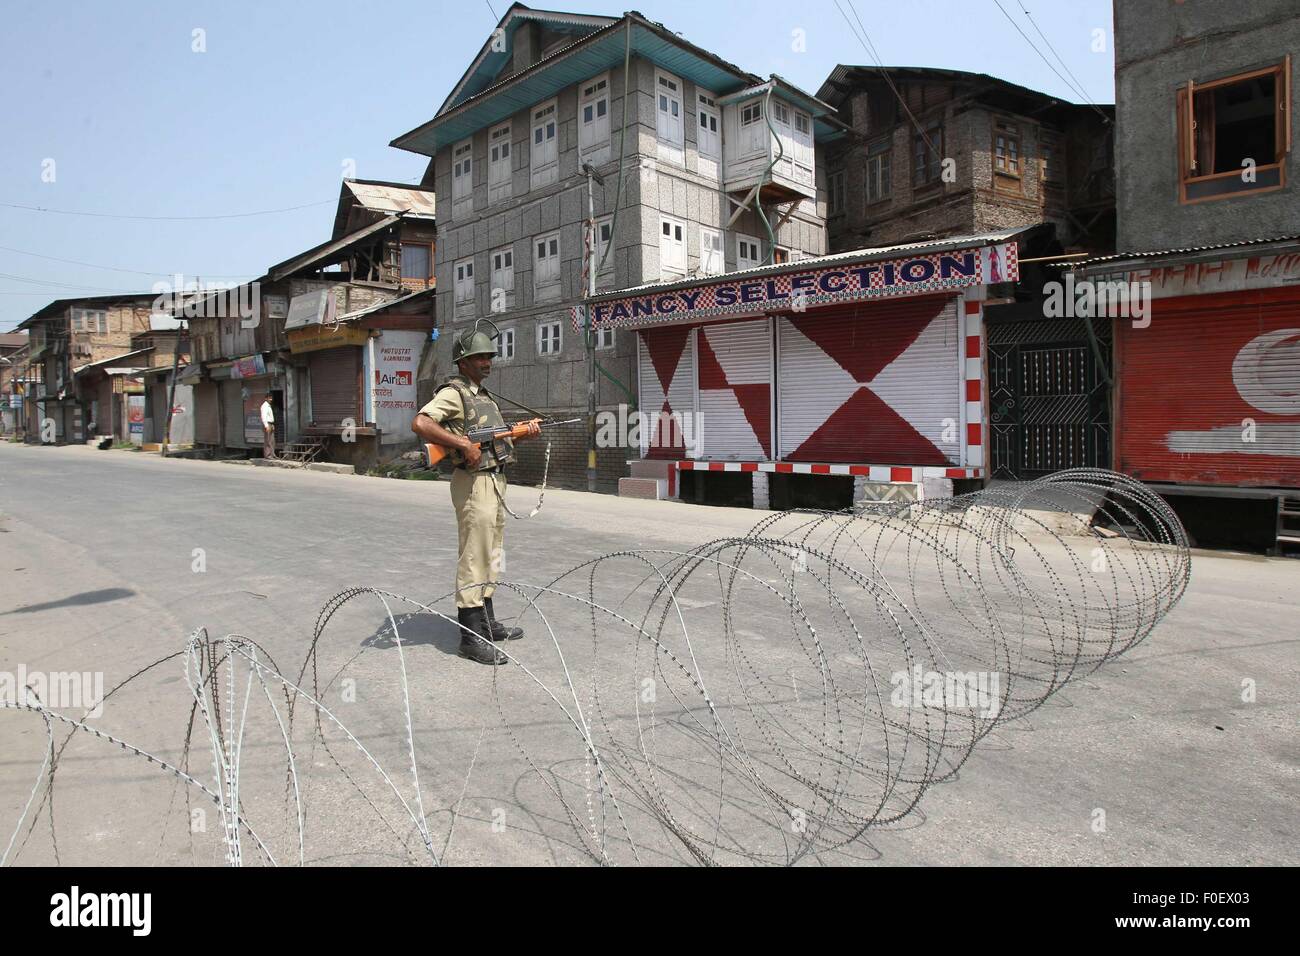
<point>590,268</point>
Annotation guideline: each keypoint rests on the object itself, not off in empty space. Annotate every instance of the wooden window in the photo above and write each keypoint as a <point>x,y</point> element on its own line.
<point>878,170</point>
<point>499,164</point>
<point>503,270</point>
<point>927,154</point>
<point>748,255</point>
<point>417,259</point>
<point>506,345</point>
<point>90,320</point>
<point>1007,165</point>
<point>668,113</point>
<point>1051,160</point>
<point>544,158</point>
<point>1234,134</point>
<point>780,255</point>
<point>604,233</point>
<point>836,193</point>
<point>751,114</point>
<point>605,338</point>
<point>546,266</point>
<point>709,141</point>
<point>672,245</point>
<point>712,260</point>
<point>462,172</point>
<point>593,115</point>
<point>549,338</point>
<point>465,280</point>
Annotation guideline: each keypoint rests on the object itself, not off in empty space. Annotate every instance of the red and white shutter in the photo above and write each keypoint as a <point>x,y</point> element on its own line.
<point>871,383</point>
<point>666,366</point>
<point>735,380</point>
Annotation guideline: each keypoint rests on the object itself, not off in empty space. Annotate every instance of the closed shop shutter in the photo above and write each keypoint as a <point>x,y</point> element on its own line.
<point>207,431</point>
<point>666,365</point>
<point>232,411</point>
<point>156,414</point>
<point>871,383</point>
<point>735,379</point>
<point>1209,391</point>
<point>335,385</point>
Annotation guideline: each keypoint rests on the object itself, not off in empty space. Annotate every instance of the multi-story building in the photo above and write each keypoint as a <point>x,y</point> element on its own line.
<point>66,335</point>
<point>1207,398</point>
<point>334,336</point>
<point>939,153</point>
<point>697,167</point>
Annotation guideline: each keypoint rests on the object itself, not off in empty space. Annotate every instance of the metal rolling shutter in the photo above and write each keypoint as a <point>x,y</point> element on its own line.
<point>335,376</point>
<point>666,363</point>
<point>735,380</point>
<point>207,428</point>
<point>232,412</point>
<point>1209,391</point>
<point>871,383</point>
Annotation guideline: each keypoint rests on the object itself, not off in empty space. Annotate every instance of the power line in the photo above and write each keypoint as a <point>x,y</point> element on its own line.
<point>106,215</point>
<point>1077,91</point>
<point>138,272</point>
<point>62,285</point>
<point>1034,23</point>
<point>865,40</point>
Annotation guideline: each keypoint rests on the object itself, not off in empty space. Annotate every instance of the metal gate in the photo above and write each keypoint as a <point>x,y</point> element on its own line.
<point>1049,396</point>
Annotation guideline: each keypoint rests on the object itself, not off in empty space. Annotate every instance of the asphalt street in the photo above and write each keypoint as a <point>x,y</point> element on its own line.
<point>110,560</point>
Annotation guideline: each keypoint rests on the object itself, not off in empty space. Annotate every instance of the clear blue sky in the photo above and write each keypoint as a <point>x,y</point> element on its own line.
<point>138,124</point>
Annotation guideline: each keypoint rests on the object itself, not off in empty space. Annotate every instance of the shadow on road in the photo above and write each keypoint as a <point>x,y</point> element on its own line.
<point>415,629</point>
<point>76,600</point>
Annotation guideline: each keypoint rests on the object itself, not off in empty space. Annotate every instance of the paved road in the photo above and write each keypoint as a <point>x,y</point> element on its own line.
<point>108,560</point>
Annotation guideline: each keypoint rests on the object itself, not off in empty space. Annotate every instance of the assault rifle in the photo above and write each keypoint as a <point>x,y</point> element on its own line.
<point>434,453</point>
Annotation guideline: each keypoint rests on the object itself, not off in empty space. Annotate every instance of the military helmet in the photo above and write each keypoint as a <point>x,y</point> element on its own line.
<point>475,342</point>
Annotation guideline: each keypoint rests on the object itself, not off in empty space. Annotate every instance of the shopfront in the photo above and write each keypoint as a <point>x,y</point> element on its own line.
<point>863,366</point>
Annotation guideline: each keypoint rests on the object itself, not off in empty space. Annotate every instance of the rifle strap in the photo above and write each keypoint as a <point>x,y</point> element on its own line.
<point>546,467</point>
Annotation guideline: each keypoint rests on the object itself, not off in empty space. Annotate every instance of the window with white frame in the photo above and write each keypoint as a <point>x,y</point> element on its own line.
<point>803,144</point>
<point>672,245</point>
<point>549,337</point>
<point>709,140</point>
<point>604,235</point>
<point>546,266</point>
<point>90,320</point>
<point>878,170</point>
<point>544,158</point>
<point>753,129</point>
<point>499,163</point>
<point>593,115</point>
<point>712,258</point>
<point>465,280</point>
<point>668,110</point>
<point>748,255</point>
<point>503,270</point>
<point>462,173</point>
<point>605,338</point>
<point>506,345</point>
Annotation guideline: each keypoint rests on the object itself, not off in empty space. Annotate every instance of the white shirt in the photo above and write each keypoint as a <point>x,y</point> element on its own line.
<point>268,416</point>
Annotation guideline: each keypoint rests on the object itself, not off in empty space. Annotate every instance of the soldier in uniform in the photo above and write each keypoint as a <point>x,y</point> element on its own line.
<point>478,487</point>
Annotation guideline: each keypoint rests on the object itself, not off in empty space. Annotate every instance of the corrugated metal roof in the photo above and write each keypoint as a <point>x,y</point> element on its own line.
<point>392,197</point>
<point>115,358</point>
<point>1161,253</point>
<point>327,249</point>
<point>581,60</point>
<point>817,262</point>
<point>391,303</point>
<point>12,340</point>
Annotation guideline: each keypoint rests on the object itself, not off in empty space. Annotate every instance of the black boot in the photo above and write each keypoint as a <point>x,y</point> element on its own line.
<point>474,642</point>
<point>499,631</point>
